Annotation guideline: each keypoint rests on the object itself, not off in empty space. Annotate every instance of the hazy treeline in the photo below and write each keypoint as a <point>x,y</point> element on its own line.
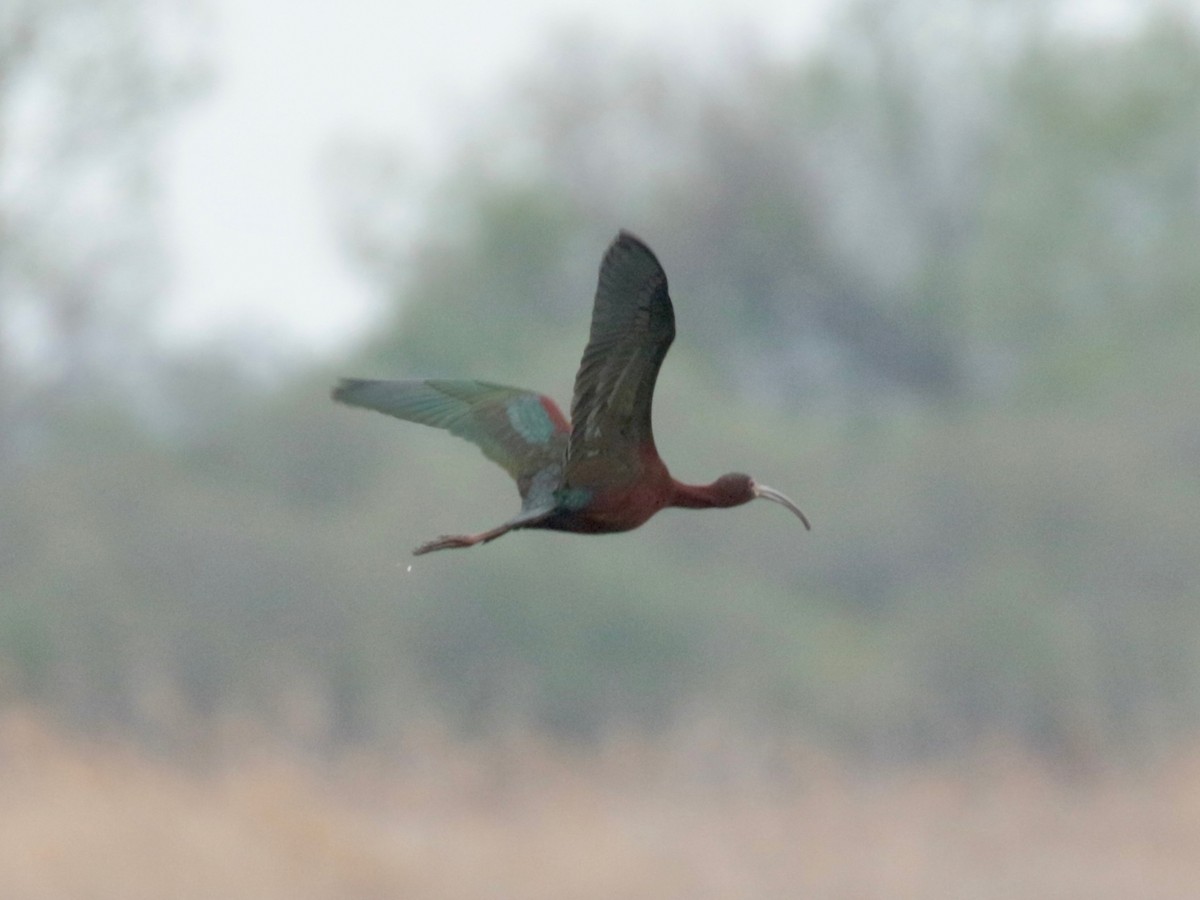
<point>941,288</point>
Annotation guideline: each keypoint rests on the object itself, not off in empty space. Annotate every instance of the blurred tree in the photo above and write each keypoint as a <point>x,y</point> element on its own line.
<point>915,208</point>
<point>600,139</point>
<point>86,91</point>
<point>848,223</point>
<point>978,209</point>
<point>1082,262</point>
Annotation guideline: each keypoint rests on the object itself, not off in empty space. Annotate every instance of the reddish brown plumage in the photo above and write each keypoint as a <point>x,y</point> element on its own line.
<point>602,473</point>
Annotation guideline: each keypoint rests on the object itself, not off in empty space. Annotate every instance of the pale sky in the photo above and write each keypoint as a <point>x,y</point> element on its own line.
<point>252,238</point>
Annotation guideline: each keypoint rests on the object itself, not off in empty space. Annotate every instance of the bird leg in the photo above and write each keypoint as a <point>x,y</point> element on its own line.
<point>455,541</point>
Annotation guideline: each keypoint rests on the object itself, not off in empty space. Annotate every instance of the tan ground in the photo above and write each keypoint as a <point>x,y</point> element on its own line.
<point>693,818</point>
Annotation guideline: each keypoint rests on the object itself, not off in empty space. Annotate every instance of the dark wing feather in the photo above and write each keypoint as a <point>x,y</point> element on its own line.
<point>523,431</point>
<point>633,325</point>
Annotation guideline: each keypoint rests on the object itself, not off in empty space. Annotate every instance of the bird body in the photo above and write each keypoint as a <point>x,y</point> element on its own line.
<point>600,472</point>
<point>610,501</point>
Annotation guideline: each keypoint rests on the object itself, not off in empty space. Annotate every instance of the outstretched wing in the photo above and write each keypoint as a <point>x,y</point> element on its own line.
<point>522,431</point>
<point>633,325</point>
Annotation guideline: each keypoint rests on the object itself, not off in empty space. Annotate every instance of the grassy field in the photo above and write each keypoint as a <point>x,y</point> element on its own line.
<point>696,816</point>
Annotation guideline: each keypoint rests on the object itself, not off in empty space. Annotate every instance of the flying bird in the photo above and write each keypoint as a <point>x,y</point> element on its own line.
<point>600,472</point>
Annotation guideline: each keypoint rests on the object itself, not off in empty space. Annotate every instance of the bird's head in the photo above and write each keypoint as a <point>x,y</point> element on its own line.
<point>735,489</point>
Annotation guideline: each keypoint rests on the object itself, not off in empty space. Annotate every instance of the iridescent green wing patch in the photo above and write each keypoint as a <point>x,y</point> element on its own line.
<point>529,418</point>
<point>573,498</point>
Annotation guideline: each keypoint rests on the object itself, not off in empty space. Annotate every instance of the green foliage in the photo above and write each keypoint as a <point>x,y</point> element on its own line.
<point>86,96</point>
<point>506,273</point>
<point>1092,204</point>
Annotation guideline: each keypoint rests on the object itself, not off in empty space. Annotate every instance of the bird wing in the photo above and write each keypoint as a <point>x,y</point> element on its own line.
<point>522,431</point>
<point>633,325</point>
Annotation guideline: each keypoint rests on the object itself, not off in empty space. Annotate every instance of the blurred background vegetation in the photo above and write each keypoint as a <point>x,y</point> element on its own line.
<point>937,283</point>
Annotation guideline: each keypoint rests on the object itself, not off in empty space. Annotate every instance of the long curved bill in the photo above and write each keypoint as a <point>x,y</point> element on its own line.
<point>767,493</point>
